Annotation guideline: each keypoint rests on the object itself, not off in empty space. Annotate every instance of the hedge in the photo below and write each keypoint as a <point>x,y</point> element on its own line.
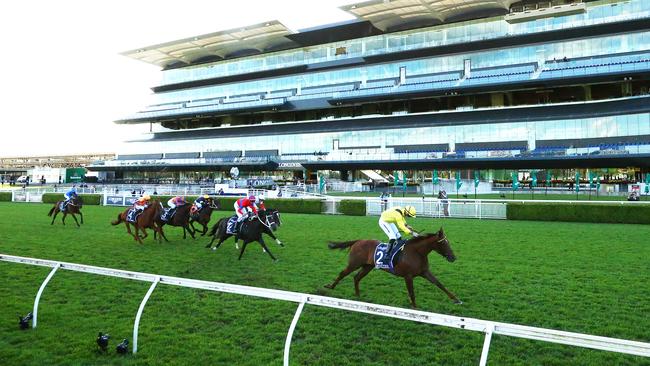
<point>5,196</point>
<point>88,199</point>
<point>600,213</point>
<point>353,207</point>
<point>309,206</point>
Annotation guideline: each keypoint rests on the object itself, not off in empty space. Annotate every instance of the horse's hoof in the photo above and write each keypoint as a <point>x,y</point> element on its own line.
<point>214,249</point>
<point>458,302</point>
<point>328,286</point>
<point>276,260</point>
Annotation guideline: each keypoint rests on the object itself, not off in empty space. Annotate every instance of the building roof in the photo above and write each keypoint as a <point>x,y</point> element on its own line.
<point>391,15</point>
<point>253,39</point>
<point>373,17</point>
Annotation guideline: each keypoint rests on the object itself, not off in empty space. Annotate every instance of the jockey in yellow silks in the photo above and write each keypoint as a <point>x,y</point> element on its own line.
<point>393,220</point>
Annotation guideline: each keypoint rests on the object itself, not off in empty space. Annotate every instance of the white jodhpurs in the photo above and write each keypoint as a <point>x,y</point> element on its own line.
<point>390,229</point>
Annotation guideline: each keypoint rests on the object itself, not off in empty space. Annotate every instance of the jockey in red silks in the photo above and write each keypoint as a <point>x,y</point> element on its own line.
<point>244,206</point>
<point>259,202</point>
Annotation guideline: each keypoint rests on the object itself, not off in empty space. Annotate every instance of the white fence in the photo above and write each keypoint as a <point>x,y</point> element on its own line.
<point>477,325</point>
<point>452,208</point>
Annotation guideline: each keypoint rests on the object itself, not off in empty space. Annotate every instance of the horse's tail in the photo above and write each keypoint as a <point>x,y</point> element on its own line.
<point>118,221</point>
<point>215,228</point>
<point>341,245</point>
<point>51,211</point>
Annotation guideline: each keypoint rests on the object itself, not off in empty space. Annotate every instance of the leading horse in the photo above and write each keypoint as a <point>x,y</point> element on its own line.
<point>414,261</point>
<point>73,207</point>
<point>264,222</point>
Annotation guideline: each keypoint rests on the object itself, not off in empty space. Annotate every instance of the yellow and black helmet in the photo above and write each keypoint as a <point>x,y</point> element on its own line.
<point>410,211</point>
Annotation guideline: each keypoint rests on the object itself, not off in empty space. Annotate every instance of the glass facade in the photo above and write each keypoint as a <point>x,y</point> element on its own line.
<point>626,133</point>
<point>376,141</point>
<point>494,58</point>
<point>597,13</point>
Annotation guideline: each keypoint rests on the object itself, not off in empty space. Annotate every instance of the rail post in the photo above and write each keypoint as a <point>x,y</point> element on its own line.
<point>138,315</point>
<point>292,327</point>
<point>40,292</point>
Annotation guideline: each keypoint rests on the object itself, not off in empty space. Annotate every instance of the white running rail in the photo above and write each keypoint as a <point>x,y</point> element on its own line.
<point>485,326</point>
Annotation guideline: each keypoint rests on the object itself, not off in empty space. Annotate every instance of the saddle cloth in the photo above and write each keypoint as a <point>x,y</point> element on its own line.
<point>132,215</point>
<point>385,260</point>
<point>231,226</point>
<point>167,214</point>
<point>62,206</point>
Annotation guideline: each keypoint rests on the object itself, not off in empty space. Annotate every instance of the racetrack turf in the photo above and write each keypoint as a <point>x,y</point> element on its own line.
<point>588,278</point>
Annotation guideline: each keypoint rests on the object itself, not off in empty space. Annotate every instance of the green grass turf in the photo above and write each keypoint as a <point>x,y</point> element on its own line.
<point>588,278</point>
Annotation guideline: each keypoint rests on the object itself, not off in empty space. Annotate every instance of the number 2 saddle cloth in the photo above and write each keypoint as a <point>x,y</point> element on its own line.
<point>385,260</point>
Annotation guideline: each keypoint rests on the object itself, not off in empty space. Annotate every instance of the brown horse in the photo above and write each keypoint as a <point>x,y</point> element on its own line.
<point>181,218</point>
<point>147,219</point>
<point>414,261</point>
<point>203,216</point>
<point>72,208</point>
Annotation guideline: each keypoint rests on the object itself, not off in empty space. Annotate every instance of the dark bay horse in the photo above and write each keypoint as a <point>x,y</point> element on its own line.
<point>73,207</point>
<point>203,216</point>
<point>181,218</point>
<point>146,220</point>
<point>265,222</point>
<point>414,261</point>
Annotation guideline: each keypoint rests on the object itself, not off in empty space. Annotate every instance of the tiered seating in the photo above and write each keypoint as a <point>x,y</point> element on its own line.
<point>494,75</point>
<point>433,78</point>
<point>380,83</point>
<point>596,65</point>
<point>204,102</point>
<point>492,146</point>
<point>325,91</point>
<point>427,148</point>
<point>280,94</point>
<point>242,98</point>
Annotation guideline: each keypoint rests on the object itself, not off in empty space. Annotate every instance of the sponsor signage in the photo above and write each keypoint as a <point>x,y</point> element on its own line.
<point>115,200</point>
<point>259,182</point>
<point>289,165</point>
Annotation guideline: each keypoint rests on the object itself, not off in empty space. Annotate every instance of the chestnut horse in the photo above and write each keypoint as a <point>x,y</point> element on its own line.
<point>414,261</point>
<point>73,207</point>
<point>147,219</point>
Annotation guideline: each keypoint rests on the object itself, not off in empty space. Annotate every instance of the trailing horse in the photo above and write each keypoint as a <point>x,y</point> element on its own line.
<point>145,220</point>
<point>251,230</point>
<point>73,207</point>
<point>203,216</point>
<point>414,261</point>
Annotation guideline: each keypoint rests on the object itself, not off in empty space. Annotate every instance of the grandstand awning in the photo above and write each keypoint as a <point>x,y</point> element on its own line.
<point>237,42</point>
<point>391,15</point>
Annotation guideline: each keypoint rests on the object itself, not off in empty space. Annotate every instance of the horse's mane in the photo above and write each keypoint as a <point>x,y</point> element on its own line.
<point>422,237</point>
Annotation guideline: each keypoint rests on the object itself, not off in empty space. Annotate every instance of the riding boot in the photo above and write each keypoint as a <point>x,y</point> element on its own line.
<point>391,242</point>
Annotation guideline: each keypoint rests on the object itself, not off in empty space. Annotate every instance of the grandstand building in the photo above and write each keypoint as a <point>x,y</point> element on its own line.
<point>417,85</point>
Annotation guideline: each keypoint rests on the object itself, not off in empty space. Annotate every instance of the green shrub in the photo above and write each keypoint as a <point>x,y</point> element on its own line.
<point>601,213</point>
<point>92,199</point>
<point>88,199</point>
<point>5,196</point>
<point>295,205</point>
<point>353,207</point>
<point>52,197</point>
